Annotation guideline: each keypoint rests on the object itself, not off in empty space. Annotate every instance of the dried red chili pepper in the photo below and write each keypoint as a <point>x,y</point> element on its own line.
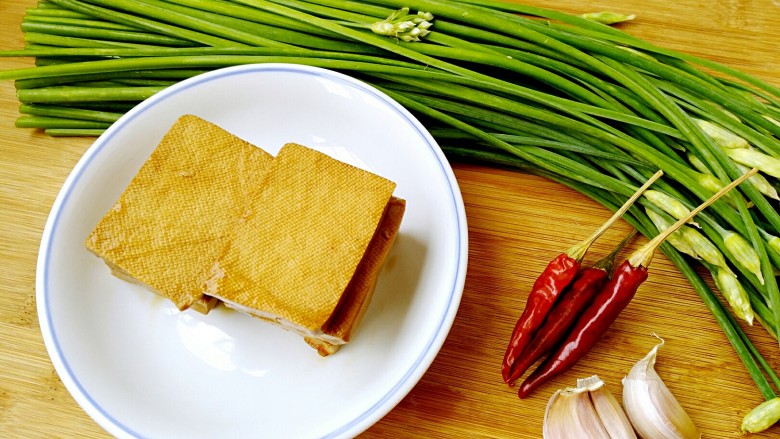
<point>555,277</point>
<point>575,299</point>
<point>548,286</point>
<point>593,323</point>
<point>608,304</point>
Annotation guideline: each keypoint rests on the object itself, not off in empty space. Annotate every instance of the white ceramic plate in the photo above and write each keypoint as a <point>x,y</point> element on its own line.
<point>140,368</point>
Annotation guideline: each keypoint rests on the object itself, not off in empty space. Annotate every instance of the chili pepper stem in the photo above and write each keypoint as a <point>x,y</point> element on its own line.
<point>644,255</point>
<point>578,251</point>
<point>607,262</point>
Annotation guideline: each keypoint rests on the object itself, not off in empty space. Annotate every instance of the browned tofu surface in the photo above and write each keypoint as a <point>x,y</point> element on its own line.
<point>294,254</point>
<point>354,303</point>
<point>168,227</point>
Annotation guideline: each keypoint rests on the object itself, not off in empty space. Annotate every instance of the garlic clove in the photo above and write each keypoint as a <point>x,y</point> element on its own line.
<point>608,408</point>
<point>650,405</point>
<point>571,415</point>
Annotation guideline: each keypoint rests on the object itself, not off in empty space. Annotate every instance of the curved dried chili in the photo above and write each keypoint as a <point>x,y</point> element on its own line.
<point>548,286</point>
<point>556,276</point>
<point>575,299</point>
<point>608,304</point>
<point>593,323</point>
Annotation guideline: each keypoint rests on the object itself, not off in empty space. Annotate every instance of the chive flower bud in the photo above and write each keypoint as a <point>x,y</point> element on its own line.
<point>425,16</point>
<point>404,26</point>
<point>743,252</point>
<point>709,182</point>
<point>712,184</point>
<point>607,17</point>
<point>698,164</point>
<point>383,28</point>
<point>774,243</point>
<point>669,204</point>
<point>704,248</point>
<point>751,157</point>
<point>760,182</point>
<point>762,417</point>
<point>735,294</point>
<point>676,239</point>
<point>721,136</point>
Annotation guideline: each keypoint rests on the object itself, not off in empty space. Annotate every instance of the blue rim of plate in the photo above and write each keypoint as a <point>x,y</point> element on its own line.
<point>380,407</point>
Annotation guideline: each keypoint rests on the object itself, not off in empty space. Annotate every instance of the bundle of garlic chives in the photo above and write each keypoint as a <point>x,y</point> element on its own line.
<point>567,97</point>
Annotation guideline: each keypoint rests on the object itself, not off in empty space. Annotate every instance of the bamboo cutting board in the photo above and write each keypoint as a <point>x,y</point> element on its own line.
<point>517,223</point>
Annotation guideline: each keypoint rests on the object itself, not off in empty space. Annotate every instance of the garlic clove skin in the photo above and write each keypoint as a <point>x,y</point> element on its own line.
<point>571,415</point>
<point>608,408</point>
<point>587,411</point>
<point>652,408</point>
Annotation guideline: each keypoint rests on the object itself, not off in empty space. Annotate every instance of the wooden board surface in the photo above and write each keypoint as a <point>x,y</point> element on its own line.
<point>516,222</point>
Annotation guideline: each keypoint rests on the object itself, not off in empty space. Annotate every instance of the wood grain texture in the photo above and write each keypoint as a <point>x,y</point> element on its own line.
<point>516,223</point>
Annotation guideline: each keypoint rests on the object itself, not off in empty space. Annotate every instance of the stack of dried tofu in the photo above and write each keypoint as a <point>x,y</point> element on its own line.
<point>297,240</point>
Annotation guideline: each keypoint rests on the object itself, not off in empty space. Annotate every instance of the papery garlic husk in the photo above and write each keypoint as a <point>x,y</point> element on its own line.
<point>588,411</point>
<point>653,410</point>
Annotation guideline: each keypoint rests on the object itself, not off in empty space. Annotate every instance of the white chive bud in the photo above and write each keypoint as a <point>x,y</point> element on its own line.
<point>676,239</point>
<point>762,417</point>
<point>735,294</point>
<point>404,26</point>
<point>760,182</point>
<point>712,184</point>
<point>753,158</point>
<point>721,136</point>
<point>383,28</point>
<point>774,243</point>
<point>698,164</point>
<point>743,252</point>
<point>704,248</point>
<point>669,204</point>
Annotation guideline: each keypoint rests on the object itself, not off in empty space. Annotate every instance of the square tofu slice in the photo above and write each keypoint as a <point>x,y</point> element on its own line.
<point>291,259</point>
<point>341,326</point>
<point>168,227</point>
